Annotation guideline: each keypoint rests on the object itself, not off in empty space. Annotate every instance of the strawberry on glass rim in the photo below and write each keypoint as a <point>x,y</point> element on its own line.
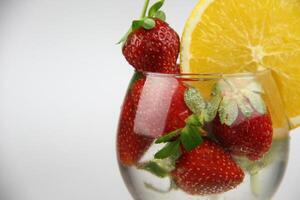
<point>151,44</point>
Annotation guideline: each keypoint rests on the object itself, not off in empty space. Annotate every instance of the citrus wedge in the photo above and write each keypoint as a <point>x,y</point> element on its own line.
<point>228,36</point>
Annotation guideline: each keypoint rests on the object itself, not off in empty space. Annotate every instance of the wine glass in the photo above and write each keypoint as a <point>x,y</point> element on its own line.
<point>202,136</point>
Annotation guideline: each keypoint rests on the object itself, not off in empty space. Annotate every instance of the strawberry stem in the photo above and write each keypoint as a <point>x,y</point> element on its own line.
<point>145,8</point>
<point>143,15</point>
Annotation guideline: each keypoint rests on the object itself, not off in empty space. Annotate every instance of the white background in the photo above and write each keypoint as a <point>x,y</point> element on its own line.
<point>62,81</point>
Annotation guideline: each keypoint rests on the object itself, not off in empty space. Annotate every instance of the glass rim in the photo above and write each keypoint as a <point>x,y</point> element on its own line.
<point>207,75</point>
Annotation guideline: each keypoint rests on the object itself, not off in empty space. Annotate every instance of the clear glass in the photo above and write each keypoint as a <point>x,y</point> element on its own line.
<point>150,115</point>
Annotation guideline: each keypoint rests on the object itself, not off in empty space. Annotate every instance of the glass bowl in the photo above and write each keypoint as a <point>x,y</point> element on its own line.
<point>202,136</point>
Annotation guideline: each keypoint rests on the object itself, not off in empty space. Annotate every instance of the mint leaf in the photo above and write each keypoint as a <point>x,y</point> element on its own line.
<point>190,137</point>
<point>148,23</point>
<point>228,111</point>
<point>194,100</point>
<point>153,10</point>
<point>155,169</point>
<point>168,137</point>
<point>172,148</point>
<point>160,15</point>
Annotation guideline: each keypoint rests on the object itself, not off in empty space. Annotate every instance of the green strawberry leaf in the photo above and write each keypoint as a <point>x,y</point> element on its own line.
<point>239,95</point>
<point>160,15</point>
<point>171,149</point>
<point>155,8</point>
<point>136,24</point>
<point>224,85</point>
<point>216,90</point>
<point>159,167</point>
<point>148,23</point>
<point>194,100</point>
<point>194,120</point>
<point>256,101</point>
<point>254,86</point>
<point>244,106</point>
<point>228,111</point>
<point>212,108</point>
<point>125,36</point>
<point>136,76</point>
<point>168,137</point>
<point>156,169</point>
<point>190,137</point>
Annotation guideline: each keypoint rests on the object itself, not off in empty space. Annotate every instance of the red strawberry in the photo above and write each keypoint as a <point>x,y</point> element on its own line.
<point>130,145</point>
<point>207,170</point>
<point>251,137</point>
<point>161,108</point>
<point>243,124</point>
<point>178,111</point>
<point>153,50</point>
<point>177,69</point>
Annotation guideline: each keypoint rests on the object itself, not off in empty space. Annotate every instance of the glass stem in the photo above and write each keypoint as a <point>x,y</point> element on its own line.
<point>254,179</point>
<point>215,197</point>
